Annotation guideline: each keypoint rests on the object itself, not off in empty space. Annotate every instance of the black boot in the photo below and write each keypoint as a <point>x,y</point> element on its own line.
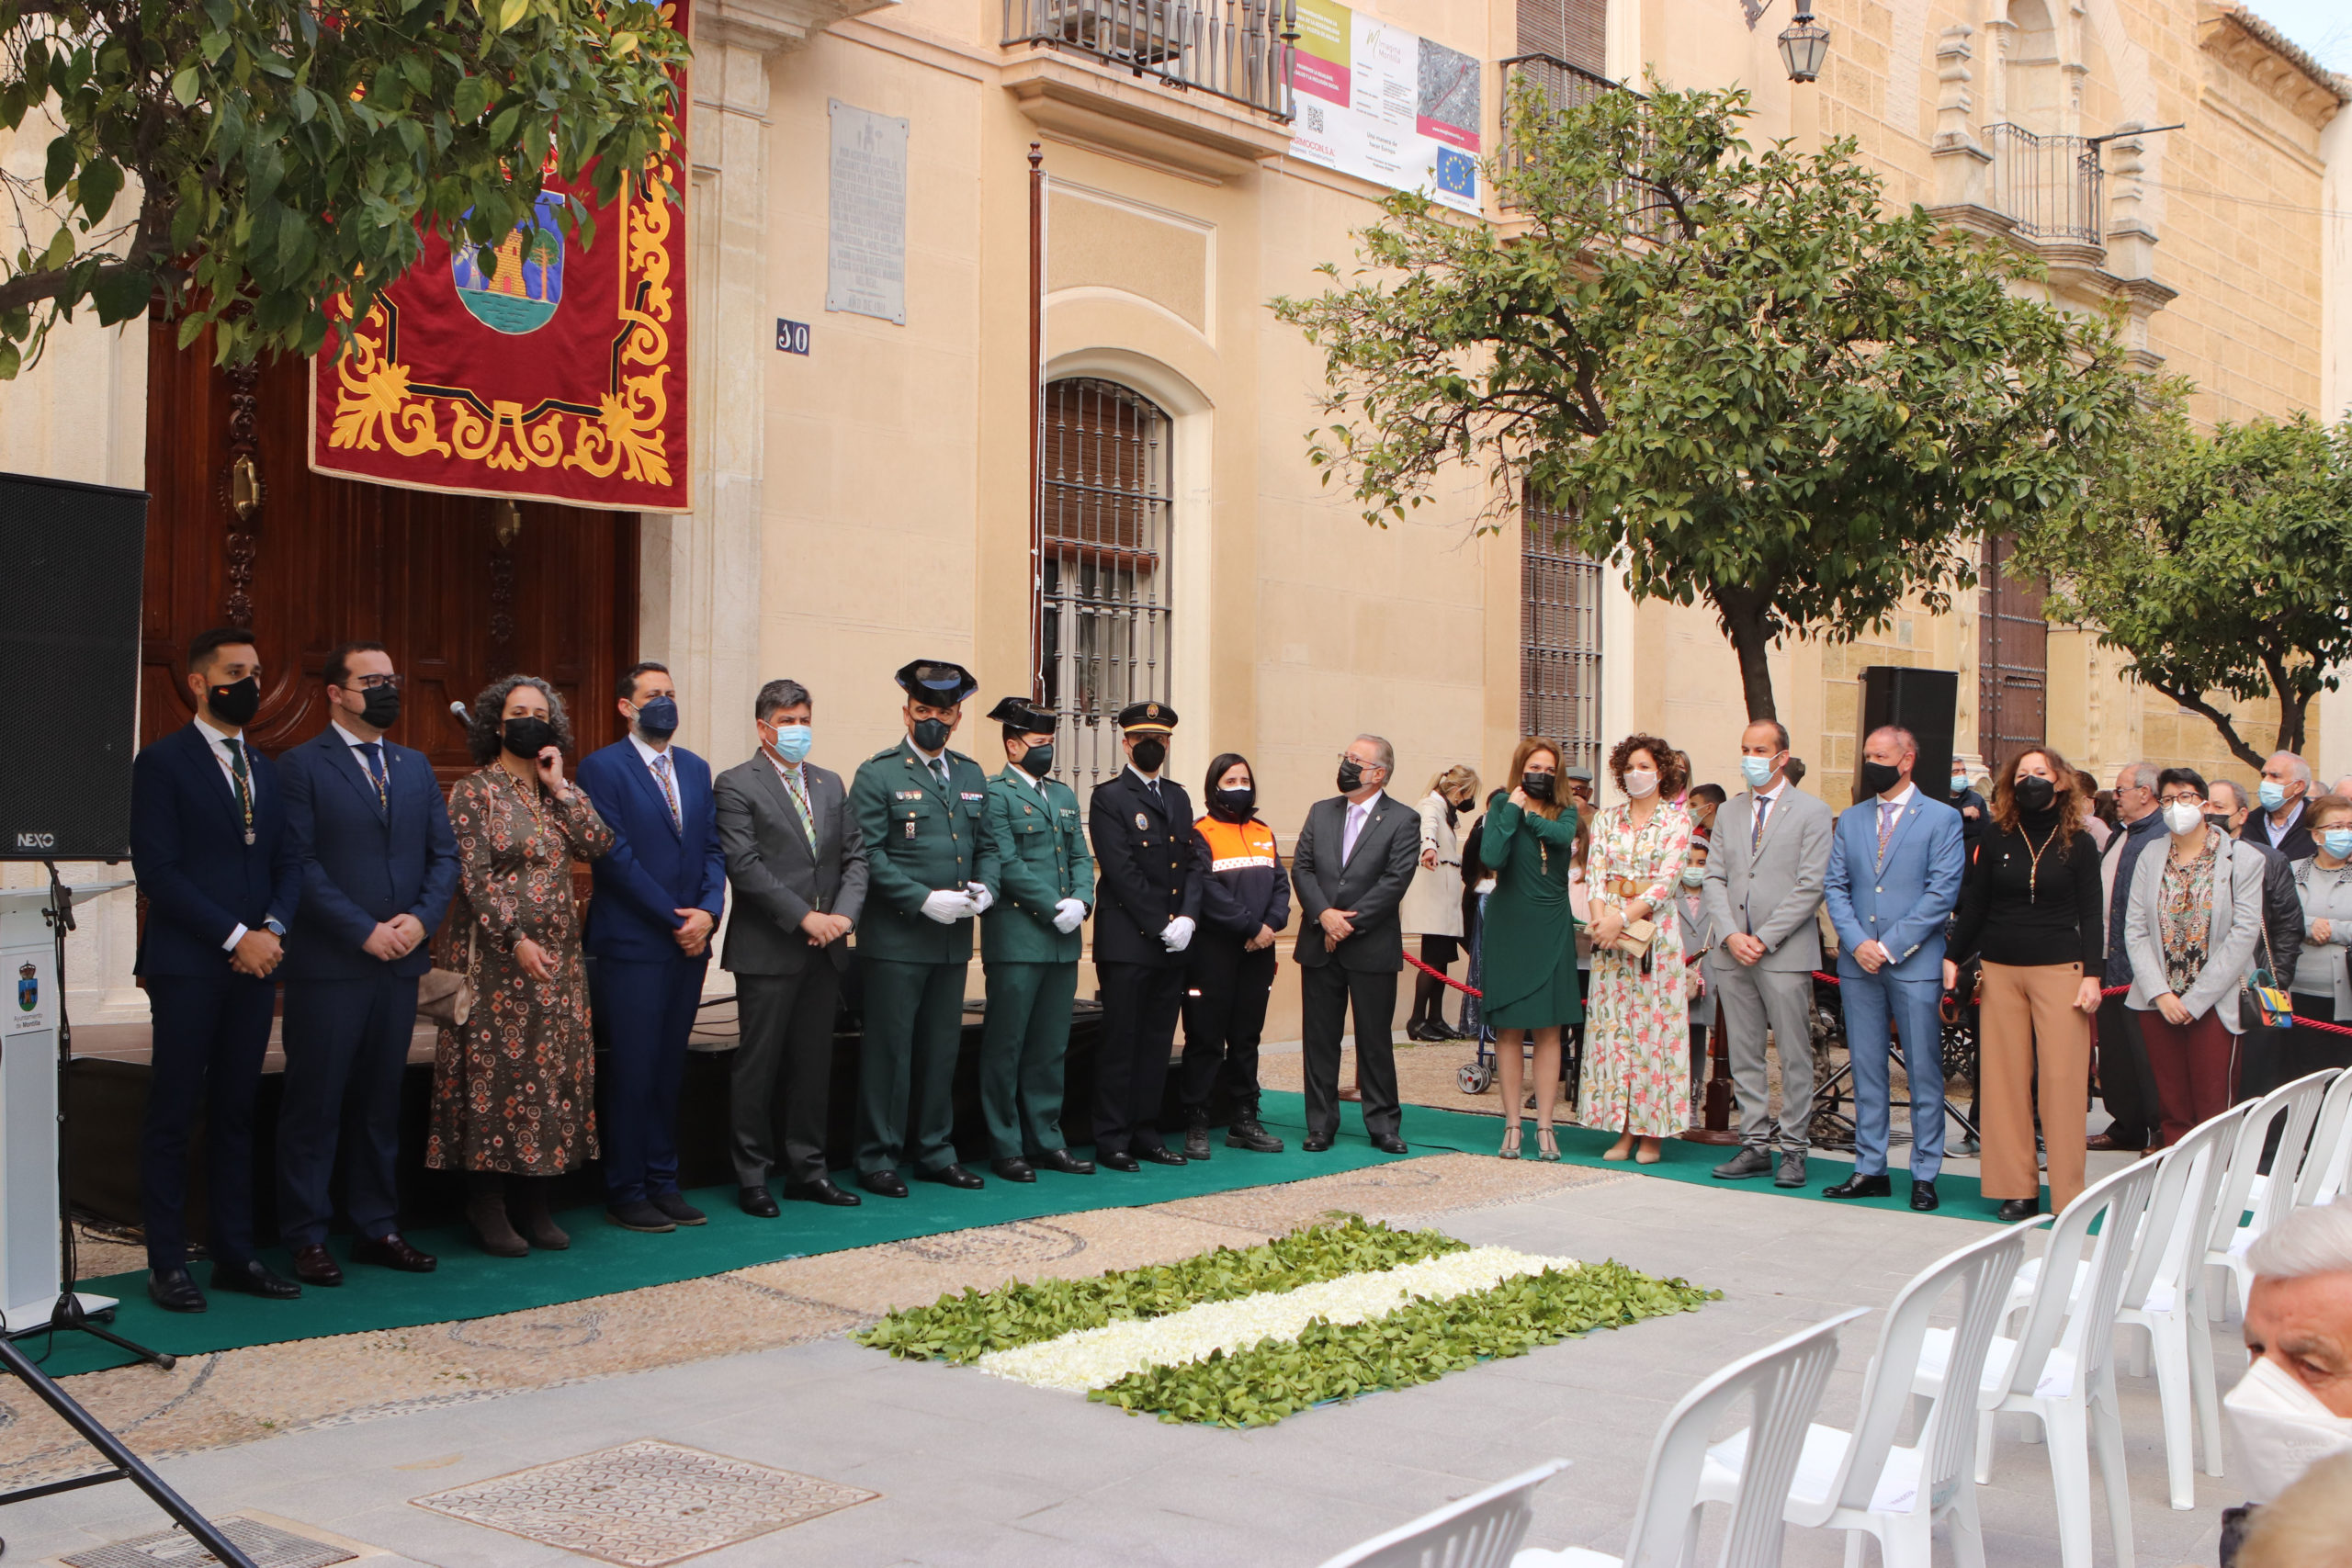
<point>1425,1024</point>
<point>1244,1133</point>
<point>486,1212</point>
<point>538,1224</point>
<point>1196,1132</point>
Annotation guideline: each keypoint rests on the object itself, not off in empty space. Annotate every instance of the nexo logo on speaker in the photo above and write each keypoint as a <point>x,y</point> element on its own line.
<point>35,841</point>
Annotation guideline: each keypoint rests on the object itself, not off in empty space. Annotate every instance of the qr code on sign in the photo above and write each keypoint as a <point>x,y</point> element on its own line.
<point>1315,117</point>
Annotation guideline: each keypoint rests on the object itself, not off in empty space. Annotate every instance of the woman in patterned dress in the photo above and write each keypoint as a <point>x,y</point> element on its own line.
<point>1637,1040</point>
<point>514,1087</point>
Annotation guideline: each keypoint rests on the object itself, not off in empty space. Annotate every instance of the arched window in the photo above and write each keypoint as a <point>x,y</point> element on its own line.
<point>1102,609</point>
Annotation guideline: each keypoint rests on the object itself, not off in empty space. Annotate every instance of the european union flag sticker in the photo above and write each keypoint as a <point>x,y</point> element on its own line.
<point>1457,174</point>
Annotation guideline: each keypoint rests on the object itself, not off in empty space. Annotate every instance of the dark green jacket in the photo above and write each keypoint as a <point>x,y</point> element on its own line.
<point>919,839</point>
<point>1040,846</point>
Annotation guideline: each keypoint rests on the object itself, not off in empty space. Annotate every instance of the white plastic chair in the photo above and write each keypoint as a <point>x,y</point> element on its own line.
<point>1482,1530</point>
<point>2061,1367</point>
<point>1862,1481</point>
<point>2328,1166</point>
<point>1786,1380</point>
<point>2291,1108</point>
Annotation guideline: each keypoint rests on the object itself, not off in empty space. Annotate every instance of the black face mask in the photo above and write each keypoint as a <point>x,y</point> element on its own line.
<point>1351,775</point>
<point>527,737</point>
<point>236,702</point>
<point>1536,787</point>
<point>2218,821</point>
<point>1234,804</point>
<point>1039,760</point>
<point>931,734</point>
<point>380,706</point>
<point>1149,753</point>
<point>2034,795</point>
<point>1880,777</point>
<point>657,717</point>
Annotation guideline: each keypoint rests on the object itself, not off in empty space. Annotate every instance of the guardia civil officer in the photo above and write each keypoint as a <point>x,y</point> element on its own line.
<point>923,812</point>
<point>1032,944</point>
<point>1147,899</point>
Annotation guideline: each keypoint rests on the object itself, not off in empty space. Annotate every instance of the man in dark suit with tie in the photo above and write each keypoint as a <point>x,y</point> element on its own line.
<point>1146,903</point>
<point>798,862</point>
<point>1356,855</point>
<point>222,880</point>
<point>378,866</point>
<point>658,896</point>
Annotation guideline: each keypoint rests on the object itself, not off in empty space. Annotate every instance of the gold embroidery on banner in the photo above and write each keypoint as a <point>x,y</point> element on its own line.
<point>373,410</point>
<point>627,431</point>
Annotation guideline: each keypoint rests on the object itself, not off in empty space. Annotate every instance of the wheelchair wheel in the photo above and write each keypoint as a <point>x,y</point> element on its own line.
<point>1474,1077</point>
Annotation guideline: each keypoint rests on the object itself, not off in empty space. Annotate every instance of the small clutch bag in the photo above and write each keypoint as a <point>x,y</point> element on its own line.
<point>1635,940</point>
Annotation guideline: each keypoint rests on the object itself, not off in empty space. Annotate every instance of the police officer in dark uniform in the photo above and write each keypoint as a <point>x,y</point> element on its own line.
<point>1148,901</point>
<point>1032,943</point>
<point>930,870</point>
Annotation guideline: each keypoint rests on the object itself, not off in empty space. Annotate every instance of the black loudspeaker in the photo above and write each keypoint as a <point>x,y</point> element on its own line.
<point>75,556</point>
<point>1925,703</point>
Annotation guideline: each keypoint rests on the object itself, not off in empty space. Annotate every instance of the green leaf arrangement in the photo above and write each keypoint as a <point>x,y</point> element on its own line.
<point>1418,1343</point>
<point>963,1329</point>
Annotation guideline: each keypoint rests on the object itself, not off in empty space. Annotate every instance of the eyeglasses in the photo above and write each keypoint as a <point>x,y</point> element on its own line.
<point>2180,799</point>
<point>376,682</point>
<point>1359,761</point>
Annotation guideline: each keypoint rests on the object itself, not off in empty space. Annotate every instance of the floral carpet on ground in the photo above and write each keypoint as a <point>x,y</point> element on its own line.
<point>1244,1338</point>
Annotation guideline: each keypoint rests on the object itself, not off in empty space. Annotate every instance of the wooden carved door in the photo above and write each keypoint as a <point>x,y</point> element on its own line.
<point>2012,658</point>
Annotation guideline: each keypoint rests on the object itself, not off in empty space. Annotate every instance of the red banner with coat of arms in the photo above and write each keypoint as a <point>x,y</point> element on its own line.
<point>535,368</point>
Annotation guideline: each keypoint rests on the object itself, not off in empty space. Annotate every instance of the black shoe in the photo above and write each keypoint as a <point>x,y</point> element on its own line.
<point>1246,1134</point>
<point>1745,1164</point>
<point>1424,1034</point>
<point>392,1250</point>
<point>1317,1144</point>
<point>2015,1209</point>
<point>641,1216</point>
<point>252,1278</point>
<point>884,1183</point>
<point>1388,1142</point>
<point>1118,1160</point>
<point>1158,1155</point>
<point>1924,1199</point>
<point>1015,1169</point>
<point>758,1203</point>
<point>1791,1171</point>
<point>1063,1161</point>
<point>1860,1186</point>
<point>952,1176</point>
<point>314,1265</point>
<point>1196,1136</point>
<point>823,1191</point>
<point>679,1212</point>
<point>172,1290</point>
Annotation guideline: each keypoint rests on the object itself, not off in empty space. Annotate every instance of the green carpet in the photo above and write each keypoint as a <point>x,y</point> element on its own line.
<point>604,1258</point>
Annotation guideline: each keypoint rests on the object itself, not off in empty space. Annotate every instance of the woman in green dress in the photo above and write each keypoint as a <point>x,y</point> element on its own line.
<point>1527,941</point>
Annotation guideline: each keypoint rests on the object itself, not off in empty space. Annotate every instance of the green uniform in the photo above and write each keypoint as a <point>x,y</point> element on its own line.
<point>922,835</point>
<point>1040,847</point>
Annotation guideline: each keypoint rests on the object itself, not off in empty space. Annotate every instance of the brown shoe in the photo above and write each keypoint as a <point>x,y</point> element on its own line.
<point>1351,1093</point>
<point>537,1224</point>
<point>2106,1144</point>
<point>486,1212</point>
<point>314,1265</point>
<point>392,1251</point>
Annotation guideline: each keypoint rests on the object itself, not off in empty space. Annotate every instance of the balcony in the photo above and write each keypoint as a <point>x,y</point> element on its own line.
<point>1562,86</point>
<point>1236,50</point>
<point>2051,187</point>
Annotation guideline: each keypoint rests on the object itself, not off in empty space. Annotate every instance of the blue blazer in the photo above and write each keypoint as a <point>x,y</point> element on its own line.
<point>363,864</point>
<point>1903,903</point>
<point>654,867</point>
<point>201,878</point>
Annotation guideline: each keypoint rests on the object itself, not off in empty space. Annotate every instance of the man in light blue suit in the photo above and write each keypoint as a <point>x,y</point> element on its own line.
<point>1895,868</point>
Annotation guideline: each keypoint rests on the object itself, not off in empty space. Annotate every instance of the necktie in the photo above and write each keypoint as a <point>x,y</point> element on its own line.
<point>244,784</point>
<point>1348,835</point>
<point>800,788</point>
<point>939,771</point>
<point>374,751</point>
<point>661,772</point>
<point>1756,835</point>
<point>1885,827</point>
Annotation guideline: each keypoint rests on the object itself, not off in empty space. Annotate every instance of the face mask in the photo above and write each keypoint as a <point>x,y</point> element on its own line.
<point>2282,1429</point>
<point>2338,842</point>
<point>2218,821</point>
<point>1641,783</point>
<point>1538,787</point>
<point>2183,816</point>
<point>1039,760</point>
<point>2273,794</point>
<point>1756,770</point>
<point>1150,752</point>
<point>1237,804</point>
<point>1695,877</point>
<point>793,742</point>
<point>1958,782</point>
<point>657,717</point>
<point>1880,777</point>
<point>236,702</point>
<point>381,707</point>
<point>931,734</point>
<point>527,737</point>
<point>2034,794</point>
<point>1351,775</point>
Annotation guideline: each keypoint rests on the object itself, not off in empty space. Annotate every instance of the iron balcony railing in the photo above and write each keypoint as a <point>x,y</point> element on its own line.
<point>1236,50</point>
<point>1563,86</point>
<point>2051,187</point>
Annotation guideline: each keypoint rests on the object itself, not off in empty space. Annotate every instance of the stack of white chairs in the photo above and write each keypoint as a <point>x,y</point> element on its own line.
<point>1482,1530</point>
<point>2327,1170</point>
<point>2292,1108</point>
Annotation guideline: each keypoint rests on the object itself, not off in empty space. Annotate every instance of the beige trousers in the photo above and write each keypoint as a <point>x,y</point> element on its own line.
<point>2028,1022</point>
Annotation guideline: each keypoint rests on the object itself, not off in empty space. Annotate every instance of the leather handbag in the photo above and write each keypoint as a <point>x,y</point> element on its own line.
<point>1635,940</point>
<point>445,997</point>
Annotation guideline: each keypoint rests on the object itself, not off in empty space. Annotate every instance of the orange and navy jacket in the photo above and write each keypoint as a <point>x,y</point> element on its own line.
<point>1242,886</point>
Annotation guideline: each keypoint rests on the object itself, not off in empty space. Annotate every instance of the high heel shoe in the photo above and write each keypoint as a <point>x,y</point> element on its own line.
<point>1511,1140</point>
<point>1545,1146</point>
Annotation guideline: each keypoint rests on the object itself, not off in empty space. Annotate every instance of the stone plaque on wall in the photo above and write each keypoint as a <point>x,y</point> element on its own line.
<point>865,251</point>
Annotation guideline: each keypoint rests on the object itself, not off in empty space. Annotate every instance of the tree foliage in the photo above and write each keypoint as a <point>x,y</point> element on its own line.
<point>2220,564</point>
<point>1731,368</point>
<point>273,154</point>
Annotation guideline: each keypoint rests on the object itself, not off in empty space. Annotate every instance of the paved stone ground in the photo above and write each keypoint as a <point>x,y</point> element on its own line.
<point>971,1471</point>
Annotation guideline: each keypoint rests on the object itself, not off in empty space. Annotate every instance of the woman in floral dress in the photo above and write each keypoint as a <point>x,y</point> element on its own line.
<point>514,1087</point>
<point>1637,1039</point>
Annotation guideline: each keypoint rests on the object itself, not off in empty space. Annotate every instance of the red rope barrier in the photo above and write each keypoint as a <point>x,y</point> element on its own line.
<point>2297,1022</point>
<point>1449,980</point>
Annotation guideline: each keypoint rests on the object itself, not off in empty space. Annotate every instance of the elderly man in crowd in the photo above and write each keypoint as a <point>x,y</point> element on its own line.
<point>2286,786</point>
<point>2293,1408</point>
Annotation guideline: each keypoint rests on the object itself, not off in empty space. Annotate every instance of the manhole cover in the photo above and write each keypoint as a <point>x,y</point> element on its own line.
<point>268,1546</point>
<point>644,1504</point>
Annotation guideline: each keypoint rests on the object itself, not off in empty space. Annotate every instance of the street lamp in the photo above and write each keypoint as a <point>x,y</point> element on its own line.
<point>1805,44</point>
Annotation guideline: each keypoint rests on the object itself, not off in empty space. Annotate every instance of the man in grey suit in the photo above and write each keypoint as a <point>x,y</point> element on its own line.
<point>797,863</point>
<point>1356,856</point>
<point>1765,871</point>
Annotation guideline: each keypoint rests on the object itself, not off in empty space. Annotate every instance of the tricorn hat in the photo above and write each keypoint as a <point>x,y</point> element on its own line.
<point>1019,714</point>
<point>936,682</point>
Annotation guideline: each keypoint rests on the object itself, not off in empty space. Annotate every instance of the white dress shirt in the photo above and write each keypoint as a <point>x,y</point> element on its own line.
<point>216,741</point>
<point>2277,834</point>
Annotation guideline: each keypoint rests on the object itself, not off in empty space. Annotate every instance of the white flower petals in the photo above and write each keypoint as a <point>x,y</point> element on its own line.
<point>1096,1358</point>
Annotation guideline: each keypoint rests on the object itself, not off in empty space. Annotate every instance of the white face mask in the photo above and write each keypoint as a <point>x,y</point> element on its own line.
<point>2182,816</point>
<point>1641,783</point>
<point>2282,1427</point>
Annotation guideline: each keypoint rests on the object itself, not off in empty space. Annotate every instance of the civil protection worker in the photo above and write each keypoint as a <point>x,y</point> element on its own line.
<point>1032,944</point>
<point>922,811</point>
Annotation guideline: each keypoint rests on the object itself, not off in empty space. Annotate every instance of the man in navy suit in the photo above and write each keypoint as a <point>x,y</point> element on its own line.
<point>378,866</point>
<point>658,896</point>
<point>1895,860</point>
<point>222,881</point>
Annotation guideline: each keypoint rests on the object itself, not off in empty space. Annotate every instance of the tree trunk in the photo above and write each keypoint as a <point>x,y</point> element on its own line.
<point>2294,719</point>
<point>1743,614</point>
<point>2195,702</point>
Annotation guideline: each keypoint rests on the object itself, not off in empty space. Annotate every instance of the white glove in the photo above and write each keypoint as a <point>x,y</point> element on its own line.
<point>1069,915</point>
<point>948,906</point>
<point>982,899</point>
<point>1178,935</point>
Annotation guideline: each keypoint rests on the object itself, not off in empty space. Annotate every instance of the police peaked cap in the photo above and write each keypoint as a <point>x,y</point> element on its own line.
<point>1019,714</point>
<point>936,683</point>
<point>1146,719</point>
